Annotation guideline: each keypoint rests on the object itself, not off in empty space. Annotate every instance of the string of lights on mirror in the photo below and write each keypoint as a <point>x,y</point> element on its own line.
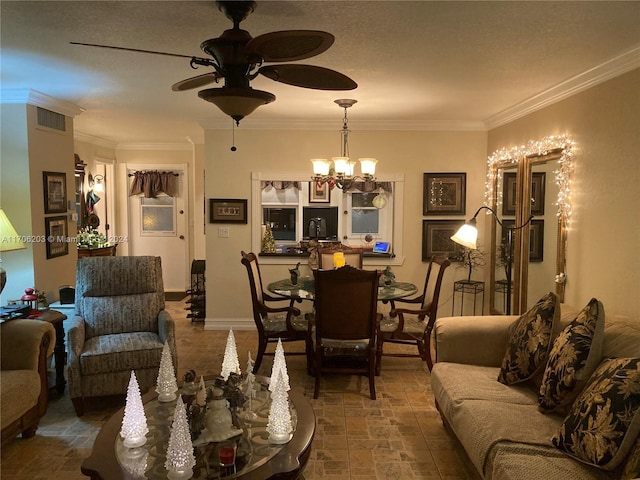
<point>542,147</point>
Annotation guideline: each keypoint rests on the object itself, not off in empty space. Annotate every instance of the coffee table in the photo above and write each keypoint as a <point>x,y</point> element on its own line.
<point>257,459</point>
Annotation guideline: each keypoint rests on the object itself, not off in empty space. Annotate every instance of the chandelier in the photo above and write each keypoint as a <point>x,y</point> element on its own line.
<point>341,174</point>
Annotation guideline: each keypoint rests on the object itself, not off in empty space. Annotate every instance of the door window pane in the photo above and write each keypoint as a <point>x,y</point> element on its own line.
<point>282,222</point>
<point>158,216</point>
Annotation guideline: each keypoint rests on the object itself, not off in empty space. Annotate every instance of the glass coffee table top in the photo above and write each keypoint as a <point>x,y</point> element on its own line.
<point>256,457</point>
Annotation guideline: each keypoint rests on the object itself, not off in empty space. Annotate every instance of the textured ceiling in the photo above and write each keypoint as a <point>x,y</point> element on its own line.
<point>418,64</point>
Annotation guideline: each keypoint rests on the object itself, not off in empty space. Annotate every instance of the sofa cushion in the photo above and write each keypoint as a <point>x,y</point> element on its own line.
<point>453,383</point>
<point>529,341</point>
<point>20,391</point>
<point>121,352</point>
<point>482,424</point>
<point>522,461</point>
<point>574,356</point>
<point>604,421</point>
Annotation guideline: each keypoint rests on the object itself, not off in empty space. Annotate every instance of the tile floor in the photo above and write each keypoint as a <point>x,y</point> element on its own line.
<point>397,436</point>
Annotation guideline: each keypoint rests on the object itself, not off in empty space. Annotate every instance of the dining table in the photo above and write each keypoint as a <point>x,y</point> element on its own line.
<point>304,289</point>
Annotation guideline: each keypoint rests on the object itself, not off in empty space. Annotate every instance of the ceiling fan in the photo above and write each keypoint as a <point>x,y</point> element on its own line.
<point>238,58</point>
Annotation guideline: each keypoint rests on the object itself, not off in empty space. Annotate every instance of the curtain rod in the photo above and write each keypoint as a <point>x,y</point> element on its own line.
<point>133,174</point>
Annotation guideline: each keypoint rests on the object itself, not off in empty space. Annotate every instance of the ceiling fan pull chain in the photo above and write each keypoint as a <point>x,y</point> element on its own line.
<point>233,135</point>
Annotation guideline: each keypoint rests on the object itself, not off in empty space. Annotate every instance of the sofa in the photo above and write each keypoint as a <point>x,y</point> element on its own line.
<point>26,346</point>
<point>502,428</point>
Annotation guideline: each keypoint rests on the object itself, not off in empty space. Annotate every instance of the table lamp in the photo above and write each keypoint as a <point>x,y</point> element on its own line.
<point>467,236</point>
<point>9,241</point>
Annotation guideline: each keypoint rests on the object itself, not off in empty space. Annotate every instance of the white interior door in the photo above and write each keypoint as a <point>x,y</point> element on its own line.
<point>158,227</point>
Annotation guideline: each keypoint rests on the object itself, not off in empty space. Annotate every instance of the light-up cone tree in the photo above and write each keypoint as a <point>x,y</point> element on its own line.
<point>279,426</point>
<point>166,382</point>
<point>134,423</point>
<point>279,366</point>
<point>230,361</point>
<point>180,459</point>
<point>249,389</point>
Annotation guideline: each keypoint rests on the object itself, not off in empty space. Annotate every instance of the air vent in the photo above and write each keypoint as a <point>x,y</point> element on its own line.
<point>49,119</point>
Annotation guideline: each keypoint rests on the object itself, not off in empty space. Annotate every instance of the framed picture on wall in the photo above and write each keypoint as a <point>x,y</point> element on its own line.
<point>444,193</point>
<point>436,239</point>
<point>55,192</point>
<point>227,210</point>
<point>538,180</point>
<point>319,192</point>
<point>536,239</point>
<point>56,236</point>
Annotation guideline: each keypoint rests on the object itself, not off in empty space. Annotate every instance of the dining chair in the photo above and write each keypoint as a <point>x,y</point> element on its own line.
<point>413,326</point>
<point>343,333</point>
<point>352,256</point>
<point>273,322</point>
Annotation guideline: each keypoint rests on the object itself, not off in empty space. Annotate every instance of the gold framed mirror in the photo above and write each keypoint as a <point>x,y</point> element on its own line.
<point>539,173</point>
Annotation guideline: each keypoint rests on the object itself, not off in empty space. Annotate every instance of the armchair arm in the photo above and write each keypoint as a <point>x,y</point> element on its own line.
<point>75,346</point>
<point>289,310</point>
<point>474,340</point>
<point>21,342</point>
<point>401,312</point>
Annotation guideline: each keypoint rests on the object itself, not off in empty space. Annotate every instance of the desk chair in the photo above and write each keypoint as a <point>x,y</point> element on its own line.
<point>344,332</point>
<point>352,256</point>
<point>272,322</point>
<point>414,326</point>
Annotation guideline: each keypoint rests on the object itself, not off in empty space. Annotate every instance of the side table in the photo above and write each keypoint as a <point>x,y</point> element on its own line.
<point>473,287</point>
<point>59,355</point>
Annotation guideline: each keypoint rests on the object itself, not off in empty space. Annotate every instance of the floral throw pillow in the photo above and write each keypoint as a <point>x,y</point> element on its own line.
<point>574,356</point>
<point>529,341</point>
<point>604,421</point>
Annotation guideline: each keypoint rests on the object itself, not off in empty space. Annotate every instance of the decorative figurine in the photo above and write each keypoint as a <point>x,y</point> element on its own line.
<point>295,273</point>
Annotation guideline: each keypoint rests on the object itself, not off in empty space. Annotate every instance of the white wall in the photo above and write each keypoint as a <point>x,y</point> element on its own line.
<point>603,247</point>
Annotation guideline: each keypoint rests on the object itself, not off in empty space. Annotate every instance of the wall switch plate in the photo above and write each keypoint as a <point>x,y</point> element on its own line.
<point>223,232</point>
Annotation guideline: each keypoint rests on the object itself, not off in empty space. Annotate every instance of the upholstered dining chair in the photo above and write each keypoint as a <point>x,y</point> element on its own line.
<point>414,325</point>
<point>273,322</point>
<point>120,325</point>
<point>352,256</point>
<point>344,329</point>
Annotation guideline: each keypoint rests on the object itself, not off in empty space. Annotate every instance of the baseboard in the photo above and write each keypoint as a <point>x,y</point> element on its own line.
<point>229,323</point>
<point>174,296</point>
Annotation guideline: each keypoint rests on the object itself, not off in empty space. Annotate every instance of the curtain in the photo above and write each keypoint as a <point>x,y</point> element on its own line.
<point>280,184</point>
<point>153,182</point>
<point>371,186</point>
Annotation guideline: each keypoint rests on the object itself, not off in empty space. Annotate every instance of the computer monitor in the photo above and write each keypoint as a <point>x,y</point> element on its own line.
<point>381,247</point>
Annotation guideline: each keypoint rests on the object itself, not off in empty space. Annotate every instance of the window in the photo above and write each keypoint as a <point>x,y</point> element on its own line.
<point>286,206</point>
<point>158,216</point>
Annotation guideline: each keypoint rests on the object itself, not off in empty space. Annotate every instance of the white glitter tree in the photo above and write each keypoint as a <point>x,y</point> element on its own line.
<point>230,362</point>
<point>279,426</point>
<point>249,390</point>
<point>180,459</point>
<point>134,423</point>
<point>279,365</point>
<point>166,382</point>
<point>201,396</point>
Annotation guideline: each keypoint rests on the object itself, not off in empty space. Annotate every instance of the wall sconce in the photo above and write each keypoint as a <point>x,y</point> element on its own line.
<point>96,183</point>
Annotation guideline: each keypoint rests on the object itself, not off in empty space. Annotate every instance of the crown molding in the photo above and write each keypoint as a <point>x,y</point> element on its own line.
<point>614,67</point>
<point>93,140</point>
<point>39,99</point>
<point>156,146</point>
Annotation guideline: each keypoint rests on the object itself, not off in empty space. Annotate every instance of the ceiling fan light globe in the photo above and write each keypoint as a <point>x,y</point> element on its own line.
<point>236,102</point>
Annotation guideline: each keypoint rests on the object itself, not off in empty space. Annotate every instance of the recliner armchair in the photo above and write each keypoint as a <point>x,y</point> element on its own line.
<point>120,325</point>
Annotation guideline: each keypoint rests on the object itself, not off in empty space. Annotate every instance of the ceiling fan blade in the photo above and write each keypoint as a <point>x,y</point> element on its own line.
<point>308,76</point>
<point>290,45</point>
<point>141,51</point>
<point>195,82</point>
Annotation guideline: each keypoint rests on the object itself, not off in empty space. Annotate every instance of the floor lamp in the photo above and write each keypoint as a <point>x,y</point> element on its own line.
<point>467,236</point>
<point>9,241</point>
